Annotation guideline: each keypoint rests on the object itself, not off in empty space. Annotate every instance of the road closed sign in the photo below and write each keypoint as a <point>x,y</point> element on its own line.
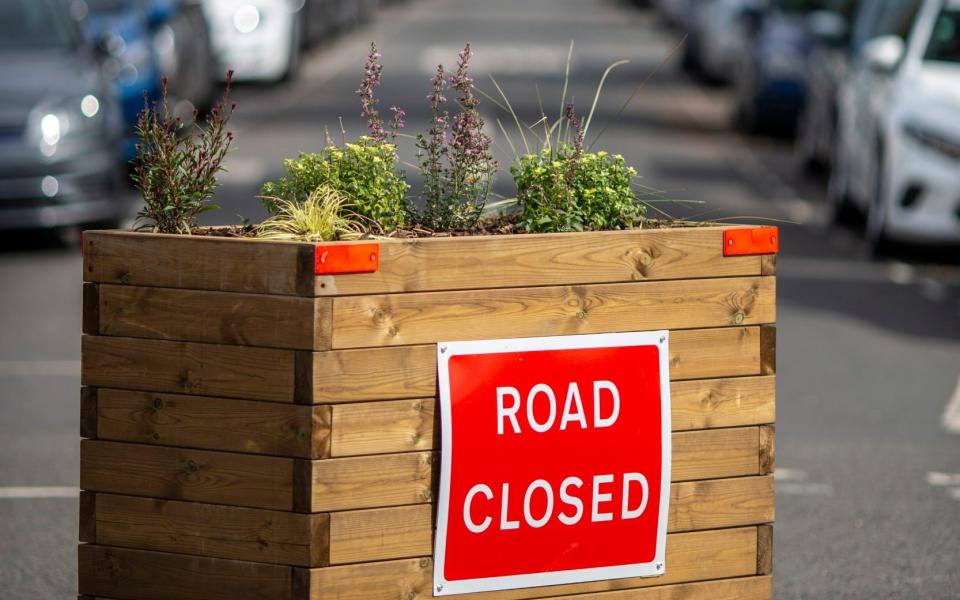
<point>555,463</point>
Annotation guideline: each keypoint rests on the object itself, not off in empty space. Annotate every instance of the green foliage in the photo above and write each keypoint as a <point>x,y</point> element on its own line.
<point>561,189</point>
<point>364,172</point>
<point>175,171</point>
<point>322,217</point>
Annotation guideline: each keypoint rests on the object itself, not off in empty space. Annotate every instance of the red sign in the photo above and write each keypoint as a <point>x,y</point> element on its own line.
<point>555,461</point>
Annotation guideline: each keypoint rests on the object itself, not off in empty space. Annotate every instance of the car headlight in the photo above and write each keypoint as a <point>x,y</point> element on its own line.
<point>933,140</point>
<point>50,124</point>
<point>246,18</point>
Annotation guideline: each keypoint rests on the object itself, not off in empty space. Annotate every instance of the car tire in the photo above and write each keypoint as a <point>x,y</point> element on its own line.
<point>875,230</point>
<point>842,210</point>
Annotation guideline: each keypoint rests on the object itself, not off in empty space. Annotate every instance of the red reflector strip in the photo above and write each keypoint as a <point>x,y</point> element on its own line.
<point>749,241</point>
<point>346,258</point>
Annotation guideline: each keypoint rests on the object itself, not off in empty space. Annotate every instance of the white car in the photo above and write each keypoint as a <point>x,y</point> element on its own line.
<point>898,148</point>
<point>258,39</point>
<point>721,37</point>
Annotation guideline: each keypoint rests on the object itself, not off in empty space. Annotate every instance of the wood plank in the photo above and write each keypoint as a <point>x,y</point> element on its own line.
<point>397,479</point>
<point>408,425</point>
<point>691,556</point>
<point>372,481</point>
<point>381,427</point>
<point>765,549</point>
<point>186,474</point>
<point>188,368</point>
<point>406,531</point>
<point>714,453</point>
<point>212,530</point>
<point>410,371</point>
<point>768,264</point>
<point>768,349</point>
<point>768,449</point>
<point>199,263</point>
<point>147,575</point>
<point>418,265</point>
<point>430,317</point>
<point>709,403</point>
<point>214,317</point>
<point>741,588</point>
<point>271,428</point>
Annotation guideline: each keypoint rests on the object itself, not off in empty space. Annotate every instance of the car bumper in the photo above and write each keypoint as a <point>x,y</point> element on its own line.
<point>44,195</point>
<point>924,199</point>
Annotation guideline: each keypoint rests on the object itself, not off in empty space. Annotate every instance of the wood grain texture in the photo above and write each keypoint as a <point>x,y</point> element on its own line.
<point>186,474</point>
<point>214,317</point>
<point>91,309</point>
<point>429,264</point>
<point>408,425</point>
<point>747,588</point>
<point>714,453</point>
<point>271,428</point>
<point>372,481</point>
<point>188,368</point>
<point>768,264</point>
<point>768,449</point>
<point>88,412</point>
<point>708,403</point>
<point>411,371</point>
<point>212,530</point>
<point>198,263</point>
<point>425,318</point>
<point>765,550</point>
<point>405,531</point>
<point>381,427</point>
<point>692,556</point>
<point>145,575</point>
<point>768,349</point>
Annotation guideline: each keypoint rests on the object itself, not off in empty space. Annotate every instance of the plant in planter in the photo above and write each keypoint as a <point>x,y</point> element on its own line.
<point>259,415</point>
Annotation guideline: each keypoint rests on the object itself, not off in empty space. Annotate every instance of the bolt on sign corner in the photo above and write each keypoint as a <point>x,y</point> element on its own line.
<point>555,461</point>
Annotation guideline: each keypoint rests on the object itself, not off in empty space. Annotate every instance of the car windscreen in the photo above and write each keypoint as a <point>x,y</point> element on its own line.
<point>34,24</point>
<point>945,40</point>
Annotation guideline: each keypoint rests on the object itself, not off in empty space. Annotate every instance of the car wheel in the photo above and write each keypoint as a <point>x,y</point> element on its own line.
<point>876,228</point>
<point>842,211</point>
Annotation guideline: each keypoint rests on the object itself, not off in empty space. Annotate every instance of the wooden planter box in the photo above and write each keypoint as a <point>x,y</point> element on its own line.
<point>256,431</point>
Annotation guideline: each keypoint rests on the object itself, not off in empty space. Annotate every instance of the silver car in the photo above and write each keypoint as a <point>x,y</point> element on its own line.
<point>60,125</point>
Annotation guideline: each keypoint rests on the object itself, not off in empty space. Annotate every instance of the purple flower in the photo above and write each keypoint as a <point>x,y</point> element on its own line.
<point>372,71</point>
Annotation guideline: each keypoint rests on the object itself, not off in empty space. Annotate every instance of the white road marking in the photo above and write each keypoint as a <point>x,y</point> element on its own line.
<point>951,413</point>
<point>943,479</point>
<point>26,493</point>
<point>784,474</point>
<point>39,368</point>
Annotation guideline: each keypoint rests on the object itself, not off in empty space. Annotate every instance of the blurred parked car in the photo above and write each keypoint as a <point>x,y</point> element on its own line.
<point>899,138</point>
<point>181,43</point>
<point>827,66</point>
<point>717,39</point>
<point>60,124</point>
<point>769,84</point>
<point>673,11</point>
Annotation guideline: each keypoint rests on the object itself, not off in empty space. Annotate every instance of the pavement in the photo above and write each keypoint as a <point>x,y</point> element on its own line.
<point>868,427</point>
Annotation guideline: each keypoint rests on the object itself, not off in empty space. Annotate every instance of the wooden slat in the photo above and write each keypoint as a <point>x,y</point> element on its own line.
<point>730,402</point>
<point>405,531</point>
<point>545,259</point>
<point>372,481</point>
<point>214,317</point>
<point>765,549</point>
<point>741,588</point>
<point>692,556</point>
<point>146,575</point>
<point>713,453</point>
<point>271,428</point>
<point>768,449</point>
<point>410,371</point>
<point>213,530</point>
<point>198,263</point>
<point>408,425</point>
<point>188,368</point>
<point>185,474</point>
<point>768,349</point>
<point>424,318</point>
<point>397,479</point>
<point>381,427</point>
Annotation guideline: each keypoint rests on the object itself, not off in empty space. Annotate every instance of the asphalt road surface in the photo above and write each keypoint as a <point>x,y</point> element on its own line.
<point>868,498</point>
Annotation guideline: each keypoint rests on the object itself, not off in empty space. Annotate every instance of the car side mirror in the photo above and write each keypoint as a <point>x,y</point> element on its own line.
<point>883,54</point>
<point>828,27</point>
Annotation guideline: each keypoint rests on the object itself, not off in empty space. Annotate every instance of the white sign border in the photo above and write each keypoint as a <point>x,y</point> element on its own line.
<point>661,339</point>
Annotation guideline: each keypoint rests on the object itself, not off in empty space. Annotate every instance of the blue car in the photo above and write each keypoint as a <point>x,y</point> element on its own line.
<point>770,83</point>
<point>123,29</point>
